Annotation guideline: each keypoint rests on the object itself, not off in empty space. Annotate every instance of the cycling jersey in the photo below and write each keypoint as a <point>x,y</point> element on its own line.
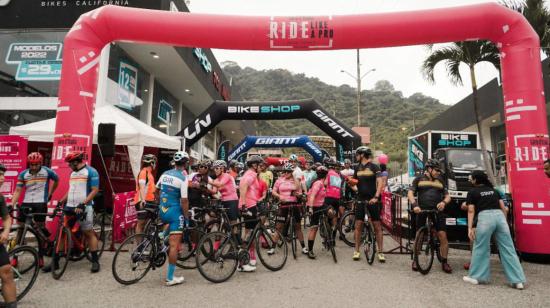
<point>309,177</point>
<point>366,176</point>
<point>80,185</point>
<point>347,172</point>
<point>36,185</point>
<point>146,179</point>
<point>284,187</point>
<point>319,192</point>
<point>267,177</point>
<point>228,189</point>
<point>430,191</point>
<point>334,184</point>
<point>173,186</point>
<point>251,179</point>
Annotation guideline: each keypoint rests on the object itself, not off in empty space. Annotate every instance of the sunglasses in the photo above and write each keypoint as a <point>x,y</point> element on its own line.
<point>203,166</point>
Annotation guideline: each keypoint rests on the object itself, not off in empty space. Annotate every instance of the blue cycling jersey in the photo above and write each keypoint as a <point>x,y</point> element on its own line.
<point>173,187</point>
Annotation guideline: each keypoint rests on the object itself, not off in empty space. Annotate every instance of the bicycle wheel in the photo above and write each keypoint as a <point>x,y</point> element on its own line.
<point>133,259</point>
<point>272,254</point>
<point>216,225</point>
<point>346,226</point>
<point>423,251</point>
<point>61,252</point>
<point>292,236</point>
<point>30,238</point>
<point>216,257</point>
<point>189,246</point>
<point>369,242</point>
<point>99,230</point>
<point>26,270</point>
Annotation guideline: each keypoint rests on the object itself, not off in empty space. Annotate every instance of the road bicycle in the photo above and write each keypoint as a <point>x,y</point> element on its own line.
<point>25,270</point>
<point>368,237</point>
<point>426,243</point>
<point>326,233</point>
<point>219,255</point>
<point>290,225</point>
<point>346,224</point>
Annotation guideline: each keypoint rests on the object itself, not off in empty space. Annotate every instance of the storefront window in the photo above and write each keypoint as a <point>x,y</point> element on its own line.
<point>165,111</point>
<point>30,63</point>
<point>128,84</point>
<point>9,118</point>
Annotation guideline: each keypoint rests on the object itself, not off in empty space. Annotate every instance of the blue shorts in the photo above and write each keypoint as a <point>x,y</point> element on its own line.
<point>173,217</point>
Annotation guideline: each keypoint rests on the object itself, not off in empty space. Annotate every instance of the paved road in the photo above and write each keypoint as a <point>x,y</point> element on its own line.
<point>301,283</point>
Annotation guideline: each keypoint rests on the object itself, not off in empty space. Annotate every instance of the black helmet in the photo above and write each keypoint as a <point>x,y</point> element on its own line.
<point>254,159</point>
<point>321,172</point>
<point>233,163</point>
<point>432,163</point>
<point>330,162</point>
<point>363,150</point>
<point>3,168</point>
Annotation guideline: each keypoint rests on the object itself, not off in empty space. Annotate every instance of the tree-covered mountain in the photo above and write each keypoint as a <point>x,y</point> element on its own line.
<point>384,109</point>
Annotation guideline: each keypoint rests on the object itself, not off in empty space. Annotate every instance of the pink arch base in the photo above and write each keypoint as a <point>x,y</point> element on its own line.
<point>521,73</point>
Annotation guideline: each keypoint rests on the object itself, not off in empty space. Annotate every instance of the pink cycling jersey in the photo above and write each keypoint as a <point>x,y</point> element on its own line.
<point>251,179</point>
<point>319,192</point>
<point>228,188</point>
<point>284,187</point>
<point>334,184</point>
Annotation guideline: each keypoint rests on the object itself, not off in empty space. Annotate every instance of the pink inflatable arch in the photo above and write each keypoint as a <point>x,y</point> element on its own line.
<point>527,134</point>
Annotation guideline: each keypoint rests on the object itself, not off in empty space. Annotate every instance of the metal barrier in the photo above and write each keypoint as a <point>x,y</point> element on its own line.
<point>394,223</point>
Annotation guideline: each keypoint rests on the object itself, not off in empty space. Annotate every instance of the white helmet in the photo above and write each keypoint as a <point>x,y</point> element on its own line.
<point>181,156</point>
<point>219,163</point>
<point>293,157</point>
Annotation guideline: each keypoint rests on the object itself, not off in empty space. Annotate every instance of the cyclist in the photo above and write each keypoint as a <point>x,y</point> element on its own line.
<point>368,183</point>
<point>6,274</point>
<point>298,174</point>
<point>266,175</point>
<point>174,210</point>
<point>83,187</point>
<point>333,184</point>
<point>285,190</point>
<point>432,194</point>
<point>199,188</point>
<point>145,190</point>
<point>226,185</point>
<point>316,201</point>
<point>248,201</point>
<point>309,174</point>
<point>233,168</point>
<point>36,182</point>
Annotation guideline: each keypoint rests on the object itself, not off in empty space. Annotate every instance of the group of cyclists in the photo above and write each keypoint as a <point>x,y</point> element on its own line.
<point>243,189</point>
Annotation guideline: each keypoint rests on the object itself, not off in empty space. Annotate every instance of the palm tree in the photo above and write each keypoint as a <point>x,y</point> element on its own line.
<point>537,15</point>
<point>469,53</point>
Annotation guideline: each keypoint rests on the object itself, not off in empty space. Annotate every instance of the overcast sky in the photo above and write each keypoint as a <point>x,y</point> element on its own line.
<point>399,65</point>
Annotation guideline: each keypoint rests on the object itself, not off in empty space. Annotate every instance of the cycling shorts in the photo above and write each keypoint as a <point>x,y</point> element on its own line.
<point>373,210</point>
<point>232,207</point>
<point>250,220</point>
<point>86,219</point>
<point>173,217</point>
<point>317,211</point>
<point>284,209</point>
<point>440,223</point>
<point>333,202</point>
<point>144,215</point>
<point>32,208</point>
<point>4,257</point>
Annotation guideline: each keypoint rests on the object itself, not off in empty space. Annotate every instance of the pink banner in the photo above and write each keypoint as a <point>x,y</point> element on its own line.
<point>13,155</point>
<point>124,215</point>
<point>386,209</point>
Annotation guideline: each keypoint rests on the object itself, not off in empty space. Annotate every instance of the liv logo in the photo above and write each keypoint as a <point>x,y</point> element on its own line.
<point>199,125</point>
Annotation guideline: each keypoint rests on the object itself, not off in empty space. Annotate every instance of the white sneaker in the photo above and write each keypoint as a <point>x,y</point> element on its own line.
<point>174,281</point>
<point>518,286</point>
<point>271,251</point>
<point>253,262</point>
<point>470,280</point>
<point>305,251</point>
<point>246,268</point>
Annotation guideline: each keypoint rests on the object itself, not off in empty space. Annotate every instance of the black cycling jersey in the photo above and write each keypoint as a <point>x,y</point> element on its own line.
<point>429,191</point>
<point>366,176</point>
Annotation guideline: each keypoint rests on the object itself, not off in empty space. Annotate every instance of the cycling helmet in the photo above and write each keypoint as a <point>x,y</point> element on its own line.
<point>74,156</point>
<point>205,162</point>
<point>3,168</point>
<point>181,156</point>
<point>240,165</point>
<point>363,150</point>
<point>149,158</point>
<point>254,159</point>
<point>35,158</point>
<point>288,167</point>
<point>219,163</point>
<point>271,168</point>
<point>347,161</point>
<point>233,163</point>
<point>330,162</point>
<point>432,163</point>
<point>293,157</point>
<point>321,172</point>
<point>310,162</point>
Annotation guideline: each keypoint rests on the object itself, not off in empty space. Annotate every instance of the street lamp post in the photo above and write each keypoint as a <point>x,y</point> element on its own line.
<point>358,79</point>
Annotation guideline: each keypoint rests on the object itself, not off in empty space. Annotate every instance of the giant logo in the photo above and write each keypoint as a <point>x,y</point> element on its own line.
<point>263,109</point>
<point>276,140</point>
<point>314,148</point>
<point>237,151</point>
<point>199,125</point>
<point>332,124</point>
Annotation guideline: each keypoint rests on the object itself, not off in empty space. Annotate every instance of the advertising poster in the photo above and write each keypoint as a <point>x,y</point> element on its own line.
<point>124,215</point>
<point>127,85</point>
<point>36,61</point>
<point>386,210</point>
<point>13,155</point>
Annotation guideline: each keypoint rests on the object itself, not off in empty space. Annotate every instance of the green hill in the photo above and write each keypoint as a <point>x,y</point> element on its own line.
<point>385,110</point>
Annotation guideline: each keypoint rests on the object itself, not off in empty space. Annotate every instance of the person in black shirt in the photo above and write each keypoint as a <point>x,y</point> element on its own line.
<point>487,217</point>
<point>369,185</point>
<point>199,189</point>
<point>6,273</point>
<point>432,194</point>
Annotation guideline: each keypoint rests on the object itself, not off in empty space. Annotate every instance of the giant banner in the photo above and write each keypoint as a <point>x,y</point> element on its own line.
<point>250,142</point>
<point>13,155</point>
<point>519,45</point>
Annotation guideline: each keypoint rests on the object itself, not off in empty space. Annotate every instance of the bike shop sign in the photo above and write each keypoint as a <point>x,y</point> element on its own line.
<point>36,61</point>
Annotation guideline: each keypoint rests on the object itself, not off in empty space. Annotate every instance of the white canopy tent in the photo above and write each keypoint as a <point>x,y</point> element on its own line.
<point>129,131</point>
